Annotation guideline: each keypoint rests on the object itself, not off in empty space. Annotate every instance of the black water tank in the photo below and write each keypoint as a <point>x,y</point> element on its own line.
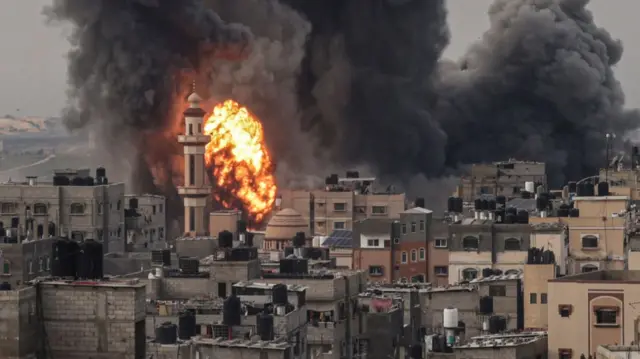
<point>572,187</point>
<point>477,204</point>
<point>541,203</point>
<point>416,351</point>
<point>4,286</point>
<point>264,326</point>
<point>500,324</point>
<point>225,239</point>
<point>189,265</point>
<point>241,226</point>
<point>563,212</point>
<point>459,205</point>
<point>420,202</point>
<point>574,212</point>
<point>486,305</point>
<point>279,294</point>
<point>590,189</point>
<point>73,253</point>
<point>78,181</point>
<point>97,270</point>
<point>523,217</point>
<point>101,172</point>
<point>299,240</point>
<point>84,261</point>
<point>487,272</point>
<point>133,203</point>
<point>166,333</point>
<point>603,189</point>
<point>492,205</point>
<point>231,311</point>
<point>484,205</point>
<point>501,200</point>
<point>248,239</point>
<point>186,325</point>
<point>89,181</point>
<point>61,181</point>
<point>451,204</point>
<point>493,325</point>
<point>161,257</point>
<point>512,210</point>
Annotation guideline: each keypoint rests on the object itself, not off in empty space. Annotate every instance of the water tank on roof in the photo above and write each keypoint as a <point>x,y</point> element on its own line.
<point>487,272</point>
<point>231,311</point>
<point>530,187</point>
<point>574,212</point>
<point>512,210</point>
<point>497,324</point>
<point>501,200</point>
<point>523,217</point>
<point>509,219</point>
<point>61,181</point>
<point>563,212</point>
<point>4,286</point>
<point>459,205</point>
<point>78,181</point>
<point>603,189</point>
<point>590,189</point>
<point>542,203</point>
<point>101,172</point>
<point>186,325</point>
<point>573,187</point>
<point>279,294</point>
<point>299,240</point>
<point>416,351</point>
<point>484,205</point>
<point>492,205</point>
<point>133,203</point>
<point>486,305</point>
<point>419,202</point>
<point>89,181</point>
<point>264,326</point>
<point>451,204</point>
<point>225,239</point>
<point>161,257</point>
<point>166,333</point>
<point>450,318</point>
<point>477,204</point>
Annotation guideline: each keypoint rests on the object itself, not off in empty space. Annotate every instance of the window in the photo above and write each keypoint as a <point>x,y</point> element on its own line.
<point>192,170</point>
<point>441,243</point>
<point>422,225</point>
<point>512,244</point>
<point>338,225</point>
<point>543,298</point>
<point>533,298</point>
<point>153,209</point>
<point>497,291</point>
<point>418,278</point>
<point>340,207</point>
<point>30,266</point>
<point>589,268</point>
<point>119,205</point>
<point>39,209</point>
<point>403,257</point>
<point>99,207</point>
<point>441,271</point>
<point>469,274</point>
<point>376,271</point>
<point>77,208</point>
<point>199,128</point>
<point>422,254</point>
<point>222,290</point>
<point>565,310</point>
<point>404,228</point>
<point>161,208</point>
<point>41,264</point>
<point>470,242</point>
<point>6,267</point>
<point>413,227</point>
<point>606,316</point>
<point>589,242</point>
<point>414,255</point>
<point>387,243</point>
<point>379,210</point>
<point>373,242</point>
<point>8,207</point>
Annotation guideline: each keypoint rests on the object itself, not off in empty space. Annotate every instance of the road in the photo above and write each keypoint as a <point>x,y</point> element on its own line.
<point>44,160</point>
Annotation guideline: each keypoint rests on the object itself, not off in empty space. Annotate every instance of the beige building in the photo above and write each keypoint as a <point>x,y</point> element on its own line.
<point>535,294</point>
<point>282,227</point>
<point>340,204</point>
<point>76,205</point>
<point>148,230</point>
<point>506,178</point>
<point>591,309</point>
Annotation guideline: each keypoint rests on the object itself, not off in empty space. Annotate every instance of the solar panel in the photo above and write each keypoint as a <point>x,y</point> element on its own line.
<point>339,238</point>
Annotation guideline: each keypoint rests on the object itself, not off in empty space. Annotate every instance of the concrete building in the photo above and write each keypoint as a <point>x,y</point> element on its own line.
<point>24,261</point>
<point>342,202</point>
<point>591,309</point>
<point>92,319</point>
<point>20,332</point>
<point>76,205</point>
<point>384,320</point>
<point>195,191</point>
<point>224,220</point>
<point>438,253</point>
<point>403,258</point>
<point>517,345</point>
<point>536,297</point>
<point>617,352</point>
<point>147,228</point>
<point>506,178</point>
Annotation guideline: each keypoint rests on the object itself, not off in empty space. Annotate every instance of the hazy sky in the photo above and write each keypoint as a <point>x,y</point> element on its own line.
<point>33,65</point>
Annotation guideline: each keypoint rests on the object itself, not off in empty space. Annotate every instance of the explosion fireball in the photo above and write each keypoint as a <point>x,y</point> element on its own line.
<point>239,160</point>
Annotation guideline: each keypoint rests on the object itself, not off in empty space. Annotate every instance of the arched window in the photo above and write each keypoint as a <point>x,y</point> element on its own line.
<point>512,244</point>
<point>470,242</point>
<point>403,257</point>
<point>589,268</point>
<point>419,278</point>
<point>77,208</point>
<point>40,208</point>
<point>414,255</point>
<point>589,241</point>
<point>422,254</point>
<point>469,274</point>
<point>40,231</point>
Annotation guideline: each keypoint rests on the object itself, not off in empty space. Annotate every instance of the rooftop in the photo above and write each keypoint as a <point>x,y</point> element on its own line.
<point>601,198</point>
<point>417,210</point>
<point>603,276</point>
<point>497,278</point>
<point>111,283</point>
<point>340,238</point>
<point>278,344</point>
<point>502,340</point>
<point>269,286</point>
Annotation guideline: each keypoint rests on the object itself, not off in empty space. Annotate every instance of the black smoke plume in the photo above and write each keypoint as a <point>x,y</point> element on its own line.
<point>351,82</point>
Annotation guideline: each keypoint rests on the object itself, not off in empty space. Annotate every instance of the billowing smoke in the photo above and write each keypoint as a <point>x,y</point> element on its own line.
<point>341,83</point>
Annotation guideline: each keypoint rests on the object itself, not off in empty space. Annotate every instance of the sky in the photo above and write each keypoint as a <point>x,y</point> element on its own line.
<point>33,63</point>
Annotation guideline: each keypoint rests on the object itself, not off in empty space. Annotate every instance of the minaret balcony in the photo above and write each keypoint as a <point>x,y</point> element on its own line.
<point>194,139</point>
<point>194,191</point>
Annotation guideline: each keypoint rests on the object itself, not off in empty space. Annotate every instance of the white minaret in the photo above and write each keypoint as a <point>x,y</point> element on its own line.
<point>195,190</point>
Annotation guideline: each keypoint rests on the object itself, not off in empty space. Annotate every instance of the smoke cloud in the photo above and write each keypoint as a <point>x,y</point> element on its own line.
<point>340,83</point>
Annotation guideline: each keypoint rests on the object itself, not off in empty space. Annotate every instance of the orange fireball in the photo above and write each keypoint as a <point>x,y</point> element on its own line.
<point>239,158</point>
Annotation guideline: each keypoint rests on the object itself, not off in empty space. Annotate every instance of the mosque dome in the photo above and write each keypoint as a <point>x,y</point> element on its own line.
<point>285,224</point>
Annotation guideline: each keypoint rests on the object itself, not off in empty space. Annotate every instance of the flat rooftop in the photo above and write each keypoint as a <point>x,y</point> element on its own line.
<point>277,344</point>
<point>115,283</point>
<point>603,276</point>
<point>602,198</point>
<point>502,340</point>
<point>269,286</point>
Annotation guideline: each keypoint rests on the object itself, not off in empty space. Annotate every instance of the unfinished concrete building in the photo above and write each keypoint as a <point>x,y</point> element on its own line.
<point>24,260</point>
<point>146,222</point>
<point>505,178</point>
<point>20,332</point>
<point>74,204</point>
